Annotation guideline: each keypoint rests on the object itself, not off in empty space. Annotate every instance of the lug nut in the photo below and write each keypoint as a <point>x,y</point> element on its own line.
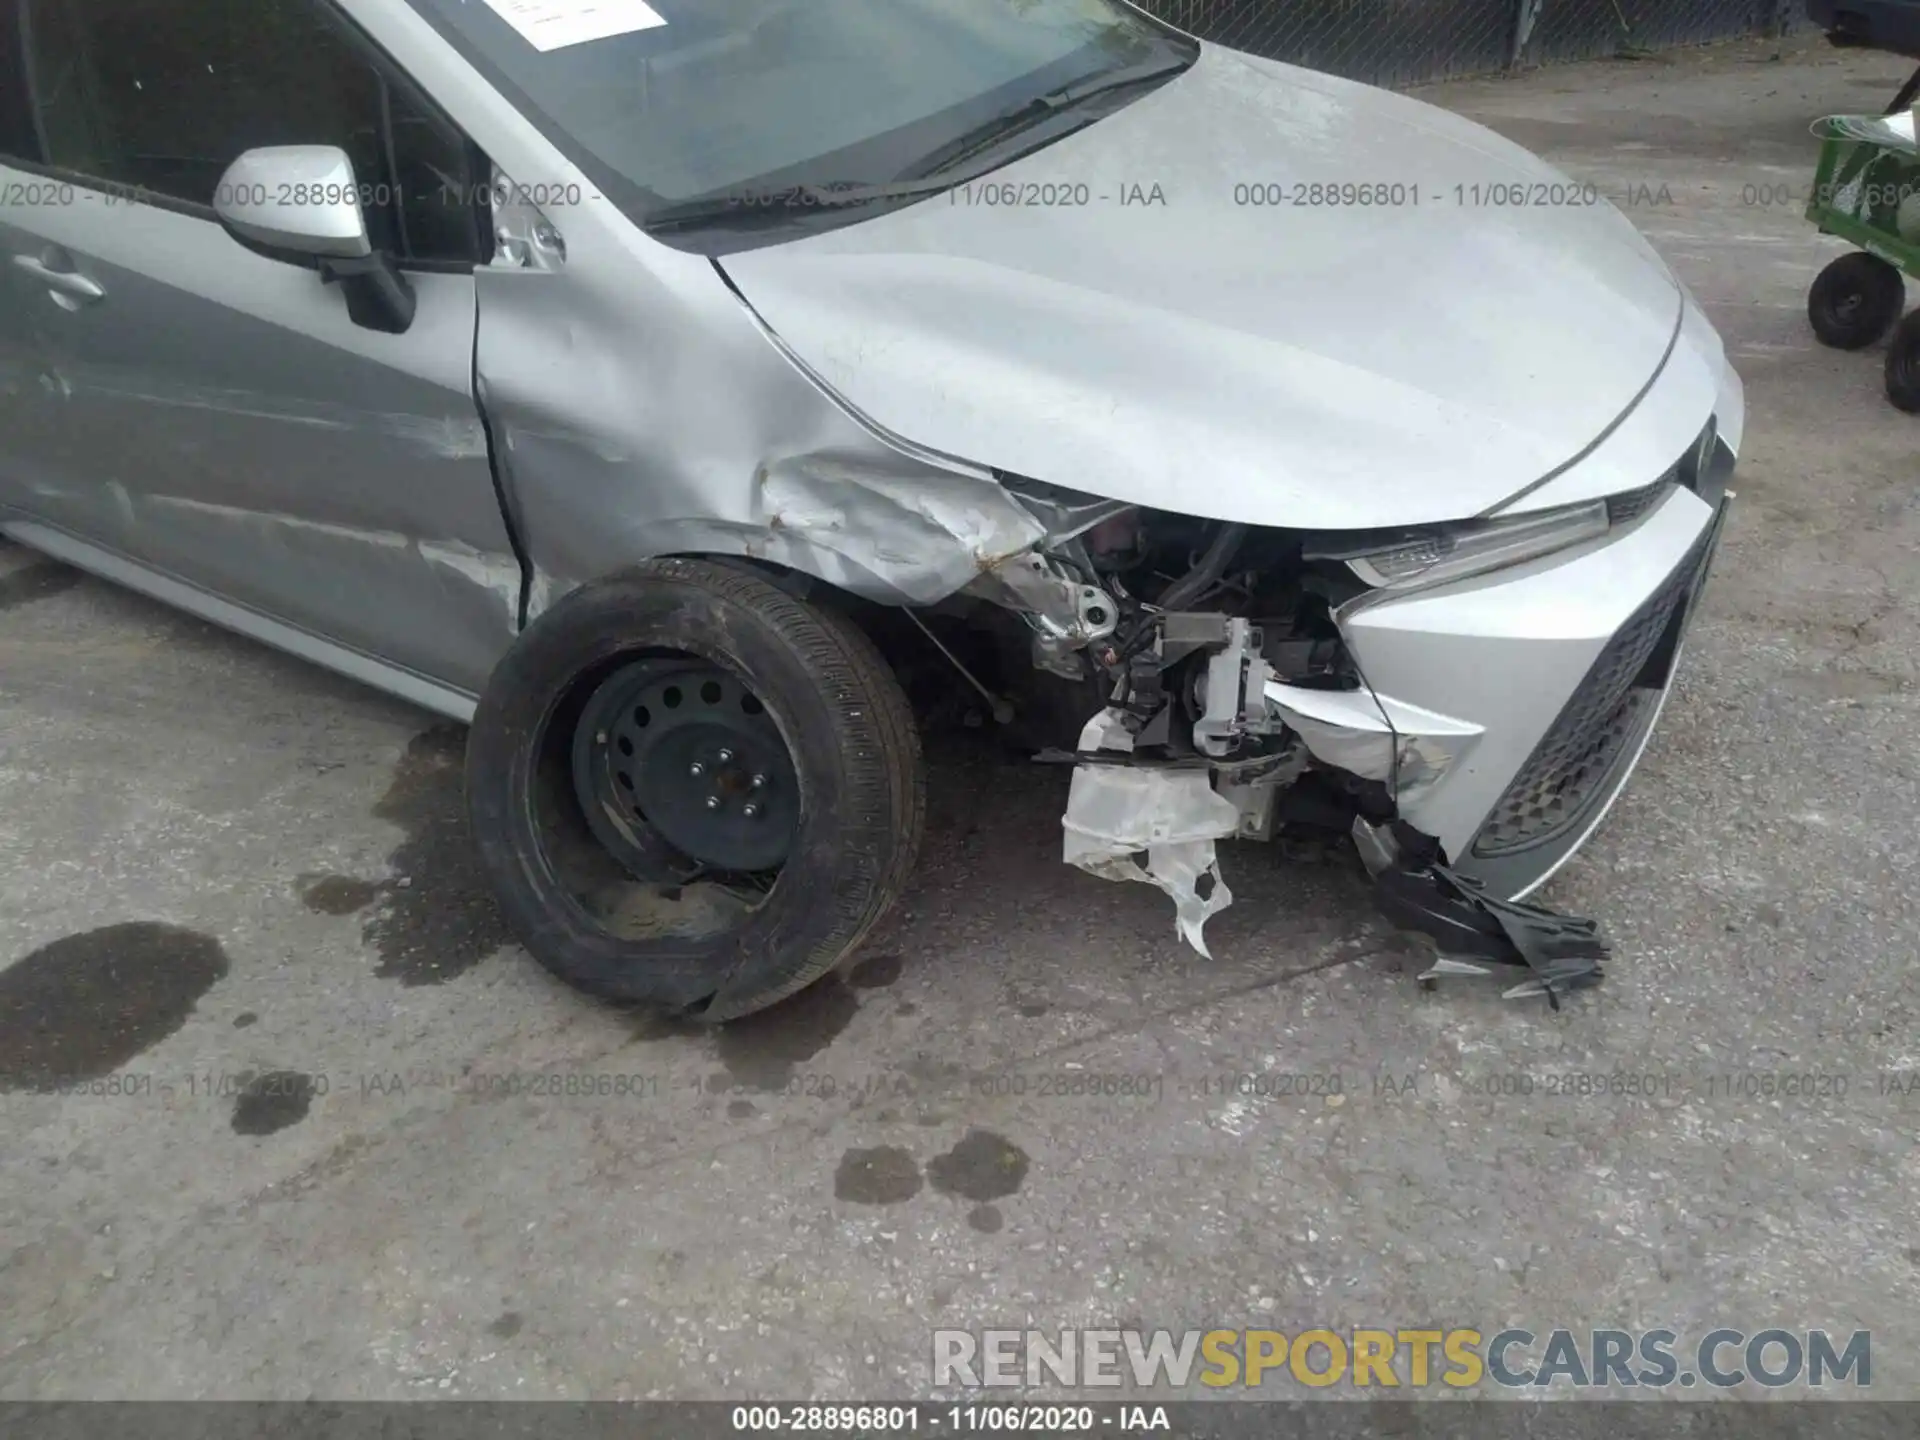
<point>696,769</point>
<point>749,810</point>
<point>758,782</point>
<point>725,756</point>
<point>713,802</point>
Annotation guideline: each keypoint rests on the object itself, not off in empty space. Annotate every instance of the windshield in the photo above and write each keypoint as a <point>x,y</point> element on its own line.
<point>709,115</point>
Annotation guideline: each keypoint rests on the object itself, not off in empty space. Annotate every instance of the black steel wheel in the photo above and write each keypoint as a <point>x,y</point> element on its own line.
<point>693,789</point>
<point>1903,365</point>
<point>1854,301</point>
<point>681,771</point>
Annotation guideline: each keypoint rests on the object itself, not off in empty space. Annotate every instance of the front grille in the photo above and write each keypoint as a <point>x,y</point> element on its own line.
<point>1601,725</point>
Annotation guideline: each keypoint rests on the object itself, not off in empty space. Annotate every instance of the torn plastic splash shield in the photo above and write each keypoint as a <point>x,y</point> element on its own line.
<point>1171,816</point>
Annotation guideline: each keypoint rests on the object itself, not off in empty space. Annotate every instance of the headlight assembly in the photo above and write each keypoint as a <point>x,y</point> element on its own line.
<point>1435,554</point>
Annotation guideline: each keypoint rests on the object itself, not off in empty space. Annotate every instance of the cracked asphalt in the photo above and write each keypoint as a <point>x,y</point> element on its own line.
<point>241,888</point>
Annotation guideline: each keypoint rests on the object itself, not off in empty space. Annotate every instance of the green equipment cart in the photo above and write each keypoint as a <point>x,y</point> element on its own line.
<point>1867,190</point>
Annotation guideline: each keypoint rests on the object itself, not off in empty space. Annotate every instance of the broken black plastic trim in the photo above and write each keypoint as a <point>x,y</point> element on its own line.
<point>1562,951</point>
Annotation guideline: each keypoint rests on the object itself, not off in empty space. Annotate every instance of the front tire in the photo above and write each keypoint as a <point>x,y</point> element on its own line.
<point>682,910</point>
<point>1854,301</point>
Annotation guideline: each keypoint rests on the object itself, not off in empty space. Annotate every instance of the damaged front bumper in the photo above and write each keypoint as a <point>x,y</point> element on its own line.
<point>1497,718</point>
<point>1516,706</point>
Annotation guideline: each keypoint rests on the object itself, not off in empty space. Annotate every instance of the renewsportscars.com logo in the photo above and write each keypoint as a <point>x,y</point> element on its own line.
<point>1394,1359</point>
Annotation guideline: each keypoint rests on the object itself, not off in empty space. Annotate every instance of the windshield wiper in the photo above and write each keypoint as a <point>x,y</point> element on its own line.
<point>786,201</point>
<point>930,176</point>
<point>963,148</point>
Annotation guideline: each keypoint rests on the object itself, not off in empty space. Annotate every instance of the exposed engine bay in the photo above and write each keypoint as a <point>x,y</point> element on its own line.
<point>1193,674</point>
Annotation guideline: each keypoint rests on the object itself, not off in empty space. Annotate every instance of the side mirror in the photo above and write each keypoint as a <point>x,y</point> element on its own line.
<point>294,199</point>
<point>301,202</point>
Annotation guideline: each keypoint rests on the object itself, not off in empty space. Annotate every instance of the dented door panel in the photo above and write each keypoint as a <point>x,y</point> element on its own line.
<point>225,422</point>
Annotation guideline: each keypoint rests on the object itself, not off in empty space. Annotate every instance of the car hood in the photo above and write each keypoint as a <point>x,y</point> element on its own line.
<point>1170,344</point>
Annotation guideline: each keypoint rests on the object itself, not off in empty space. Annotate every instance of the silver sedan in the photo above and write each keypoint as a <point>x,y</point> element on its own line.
<point>668,387</point>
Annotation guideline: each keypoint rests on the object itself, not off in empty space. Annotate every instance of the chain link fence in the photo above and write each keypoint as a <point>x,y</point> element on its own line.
<point>1403,42</point>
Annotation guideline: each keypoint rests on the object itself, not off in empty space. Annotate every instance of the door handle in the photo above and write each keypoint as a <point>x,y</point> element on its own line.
<point>69,283</point>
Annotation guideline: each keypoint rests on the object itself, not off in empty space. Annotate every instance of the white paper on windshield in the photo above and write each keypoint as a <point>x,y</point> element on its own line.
<point>556,24</point>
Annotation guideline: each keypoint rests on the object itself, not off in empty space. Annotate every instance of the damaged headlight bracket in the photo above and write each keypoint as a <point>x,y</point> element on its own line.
<point>1065,613</point>
<point>1234,694</point>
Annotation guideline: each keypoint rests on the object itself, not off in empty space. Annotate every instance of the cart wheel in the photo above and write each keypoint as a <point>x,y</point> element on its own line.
<point>1903,365</point>
<point>1854,300</point>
